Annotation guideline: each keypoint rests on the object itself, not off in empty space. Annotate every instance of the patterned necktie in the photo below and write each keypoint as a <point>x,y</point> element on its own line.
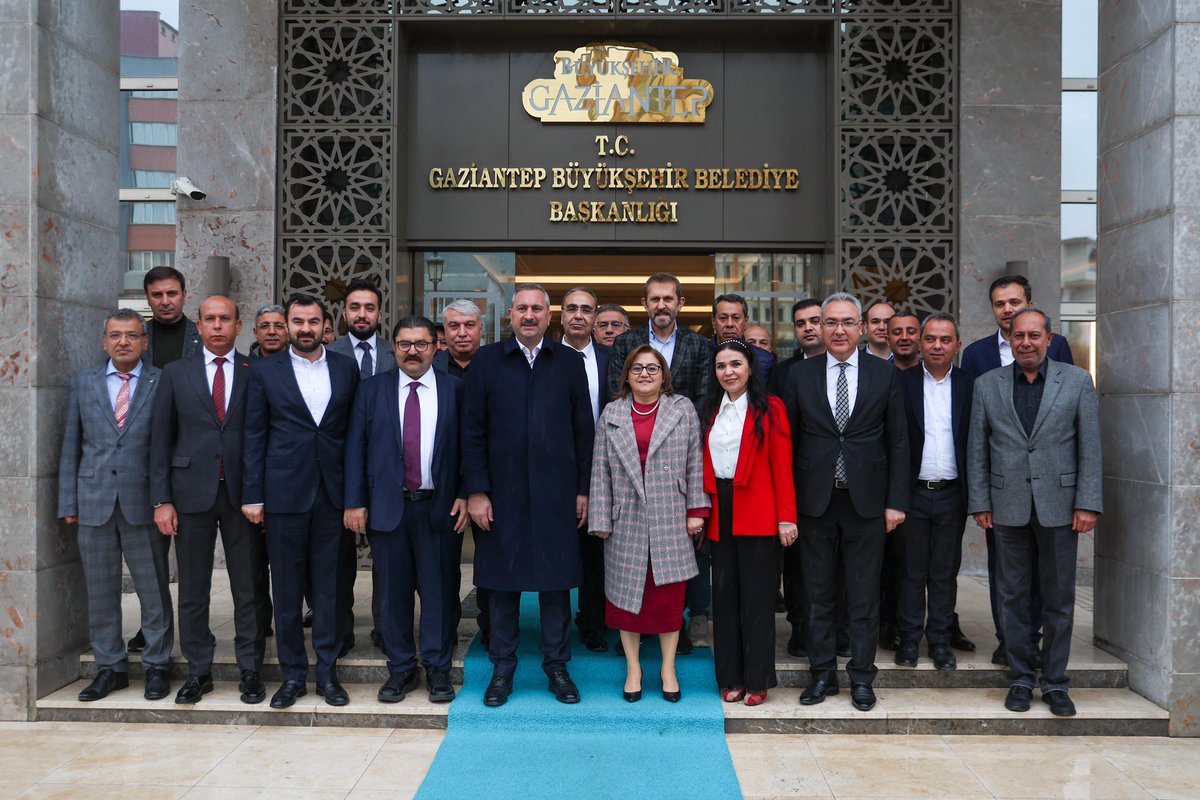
<point>411,439</point>
<point>219,389</point>
<point>841,415</point>
<point>122,408</point>
<point>366,367</point>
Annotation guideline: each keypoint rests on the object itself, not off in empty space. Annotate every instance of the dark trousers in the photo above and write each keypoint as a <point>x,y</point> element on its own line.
<point>347,577</point>
<point>794,598</point>
<point>306,547</point>
<point>930,543</point>
<point>1036,617</point>
<point>699,592</point>
<point>590,617</point>
<point>1055,549</point>
<point>244,557</point>
<point>417,559</point>
<point>744,570</point>
<point>890,573</point>
<point>861,542</point>
<point>506,630</point>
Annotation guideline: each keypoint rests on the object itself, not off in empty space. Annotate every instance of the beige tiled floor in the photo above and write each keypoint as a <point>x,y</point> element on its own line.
<point>98,761</point>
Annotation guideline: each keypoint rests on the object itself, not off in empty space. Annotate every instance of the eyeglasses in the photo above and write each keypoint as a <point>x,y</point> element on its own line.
<point>574,308</point>
<point>126,337</point>
<point>420,346</point>
<point>649,369</point>
<point>616,323</point>
<point>834,324</point>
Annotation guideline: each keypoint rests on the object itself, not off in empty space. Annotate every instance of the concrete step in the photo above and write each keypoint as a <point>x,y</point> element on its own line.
<point>1102,712</point>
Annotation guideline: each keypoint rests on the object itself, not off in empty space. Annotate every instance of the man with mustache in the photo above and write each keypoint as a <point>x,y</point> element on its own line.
<point>270,332</point>
<point>611,322</point>
<point>527,460</point>
<point>402,491</point>
<point>297,406</point>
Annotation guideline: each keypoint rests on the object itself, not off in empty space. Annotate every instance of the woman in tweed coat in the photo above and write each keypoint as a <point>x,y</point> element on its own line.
<point>647,496</point>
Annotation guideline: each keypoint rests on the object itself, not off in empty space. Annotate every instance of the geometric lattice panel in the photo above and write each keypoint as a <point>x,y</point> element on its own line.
<point>436,7</point>
<point>337,72</point>
<point>338,7</point>
<point>897,181</point>
<point>899,6</point>
<point>337,182</point>
<point>898,72</point>
<point>914,274</point>
<point>323,267</point>
<point>531,7</point>
<point>781,6</point>
<point>671,6</point>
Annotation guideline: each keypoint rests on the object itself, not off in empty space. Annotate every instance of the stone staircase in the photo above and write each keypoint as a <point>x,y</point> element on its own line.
<point>918,700</point>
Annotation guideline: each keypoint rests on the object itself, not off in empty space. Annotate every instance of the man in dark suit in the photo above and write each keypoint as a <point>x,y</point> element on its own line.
<point>851,465</point>
<point>103,486</point>
<point>690,358</point>
<point>297,406</point>
<point>270,331</point>
<point>1009,295</point>
<point>1034,475</point>
<point>578,315</point>
<point>527,459</point>
<point>402,491</point>
<point>196,486</point>
<point>611,321</point>
<point>730,317</point>
<point>363,314</point>
<point>937,402</point>
<point>170,335</point>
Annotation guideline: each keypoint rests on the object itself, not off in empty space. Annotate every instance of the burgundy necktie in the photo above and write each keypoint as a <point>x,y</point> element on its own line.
<point>412,439</point>
<point>122,407</point>
<point>219,389</point>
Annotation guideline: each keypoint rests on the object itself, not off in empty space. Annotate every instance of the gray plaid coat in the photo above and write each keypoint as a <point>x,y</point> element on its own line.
<point>644,519</point>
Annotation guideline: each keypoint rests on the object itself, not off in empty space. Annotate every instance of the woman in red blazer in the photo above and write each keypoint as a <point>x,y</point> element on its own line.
<point>748,473</point>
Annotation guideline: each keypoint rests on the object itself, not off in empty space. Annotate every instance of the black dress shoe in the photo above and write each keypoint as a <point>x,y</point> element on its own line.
<point>563,688</point>
<point>685,646</point>
<point>307,622</point>
<point>1018,698</point>
<point>438,683</point>
<point>158,683</point>
<point>672,697</point>
<point>193,689</point>
<point>106,681</point>
<point>1000,655</point>
<point>285,696</point>
<point>333,693</point>
<point>498,690</point>
<point>906,653</point>
<point>795,643</point>
<point>958,640</point>
<point>862,697</point>
<point>252,688</point>
<point>377,639</point>
<point>1060,704</point>
<point>632,697</point>
<point>397,687</point>
<point>943,657</point>
<point>138,643</point>
<point>595,642</point>
<point>817,691</point>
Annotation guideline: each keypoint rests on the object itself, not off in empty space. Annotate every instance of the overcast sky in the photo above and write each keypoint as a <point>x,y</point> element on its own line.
<point>168,8</point>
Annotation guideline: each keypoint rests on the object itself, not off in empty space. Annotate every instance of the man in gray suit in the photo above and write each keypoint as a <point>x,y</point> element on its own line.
<point>196,486</point>
<point>1034,476</point>
<point>373,354</point>
<point>103,486</point>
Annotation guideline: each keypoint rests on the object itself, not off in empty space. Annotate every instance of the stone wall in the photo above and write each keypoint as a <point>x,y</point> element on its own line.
<point>59,277</point>
<point>1147,549</point>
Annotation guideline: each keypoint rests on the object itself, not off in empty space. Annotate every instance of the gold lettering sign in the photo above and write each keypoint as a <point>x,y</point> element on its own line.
<point>617,83</point>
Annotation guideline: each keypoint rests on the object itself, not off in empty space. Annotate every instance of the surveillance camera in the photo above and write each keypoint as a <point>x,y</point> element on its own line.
<point>184,185</point>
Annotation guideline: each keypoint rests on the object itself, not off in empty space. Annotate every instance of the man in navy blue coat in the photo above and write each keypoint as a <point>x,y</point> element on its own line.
<point>1008,295</point>
<point>402,490</point>
<point>527,459</point>
<point>297,405</point>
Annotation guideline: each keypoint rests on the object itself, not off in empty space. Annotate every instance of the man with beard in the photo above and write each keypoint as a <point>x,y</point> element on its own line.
<point>297,405</point>
<point>527,460</point>
<point>611,322</point>
<point>362,315</point>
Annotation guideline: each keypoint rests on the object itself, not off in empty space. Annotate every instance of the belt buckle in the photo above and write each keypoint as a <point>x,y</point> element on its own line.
<point>838,483</point>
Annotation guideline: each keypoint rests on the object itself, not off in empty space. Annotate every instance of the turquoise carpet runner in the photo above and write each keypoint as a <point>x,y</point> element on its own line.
<point>535,747</point>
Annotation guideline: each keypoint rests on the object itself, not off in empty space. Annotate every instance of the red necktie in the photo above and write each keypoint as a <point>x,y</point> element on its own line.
<point>219,389</point>
<point>122,407</point>
<point>411,437</point>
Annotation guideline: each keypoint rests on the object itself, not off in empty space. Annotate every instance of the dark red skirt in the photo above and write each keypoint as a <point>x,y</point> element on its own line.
<point>662,609</point>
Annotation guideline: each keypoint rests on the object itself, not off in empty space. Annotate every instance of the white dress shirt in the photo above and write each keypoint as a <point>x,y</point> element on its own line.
<point>114,383</point>
<point>831,378</point>
<point>937,456</point>
<point>210,372</point>
<point>592,367</point>
<point>725,438</point>
<point>531,355</point>
<point>667,348</point>
<point>427,398</point>
<point>313,379</point>
<point>356,347</point>
<point>1006,353</point>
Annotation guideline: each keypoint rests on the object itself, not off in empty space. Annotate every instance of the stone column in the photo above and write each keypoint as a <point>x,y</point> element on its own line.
<point>1148,543</point>
<point>59,277</point>
<point>1010,122</point>
<point>227,110</point>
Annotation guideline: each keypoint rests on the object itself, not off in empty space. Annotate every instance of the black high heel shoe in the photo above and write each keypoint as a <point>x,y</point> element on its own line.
<point>632,697</point>
<point>672,697</point>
